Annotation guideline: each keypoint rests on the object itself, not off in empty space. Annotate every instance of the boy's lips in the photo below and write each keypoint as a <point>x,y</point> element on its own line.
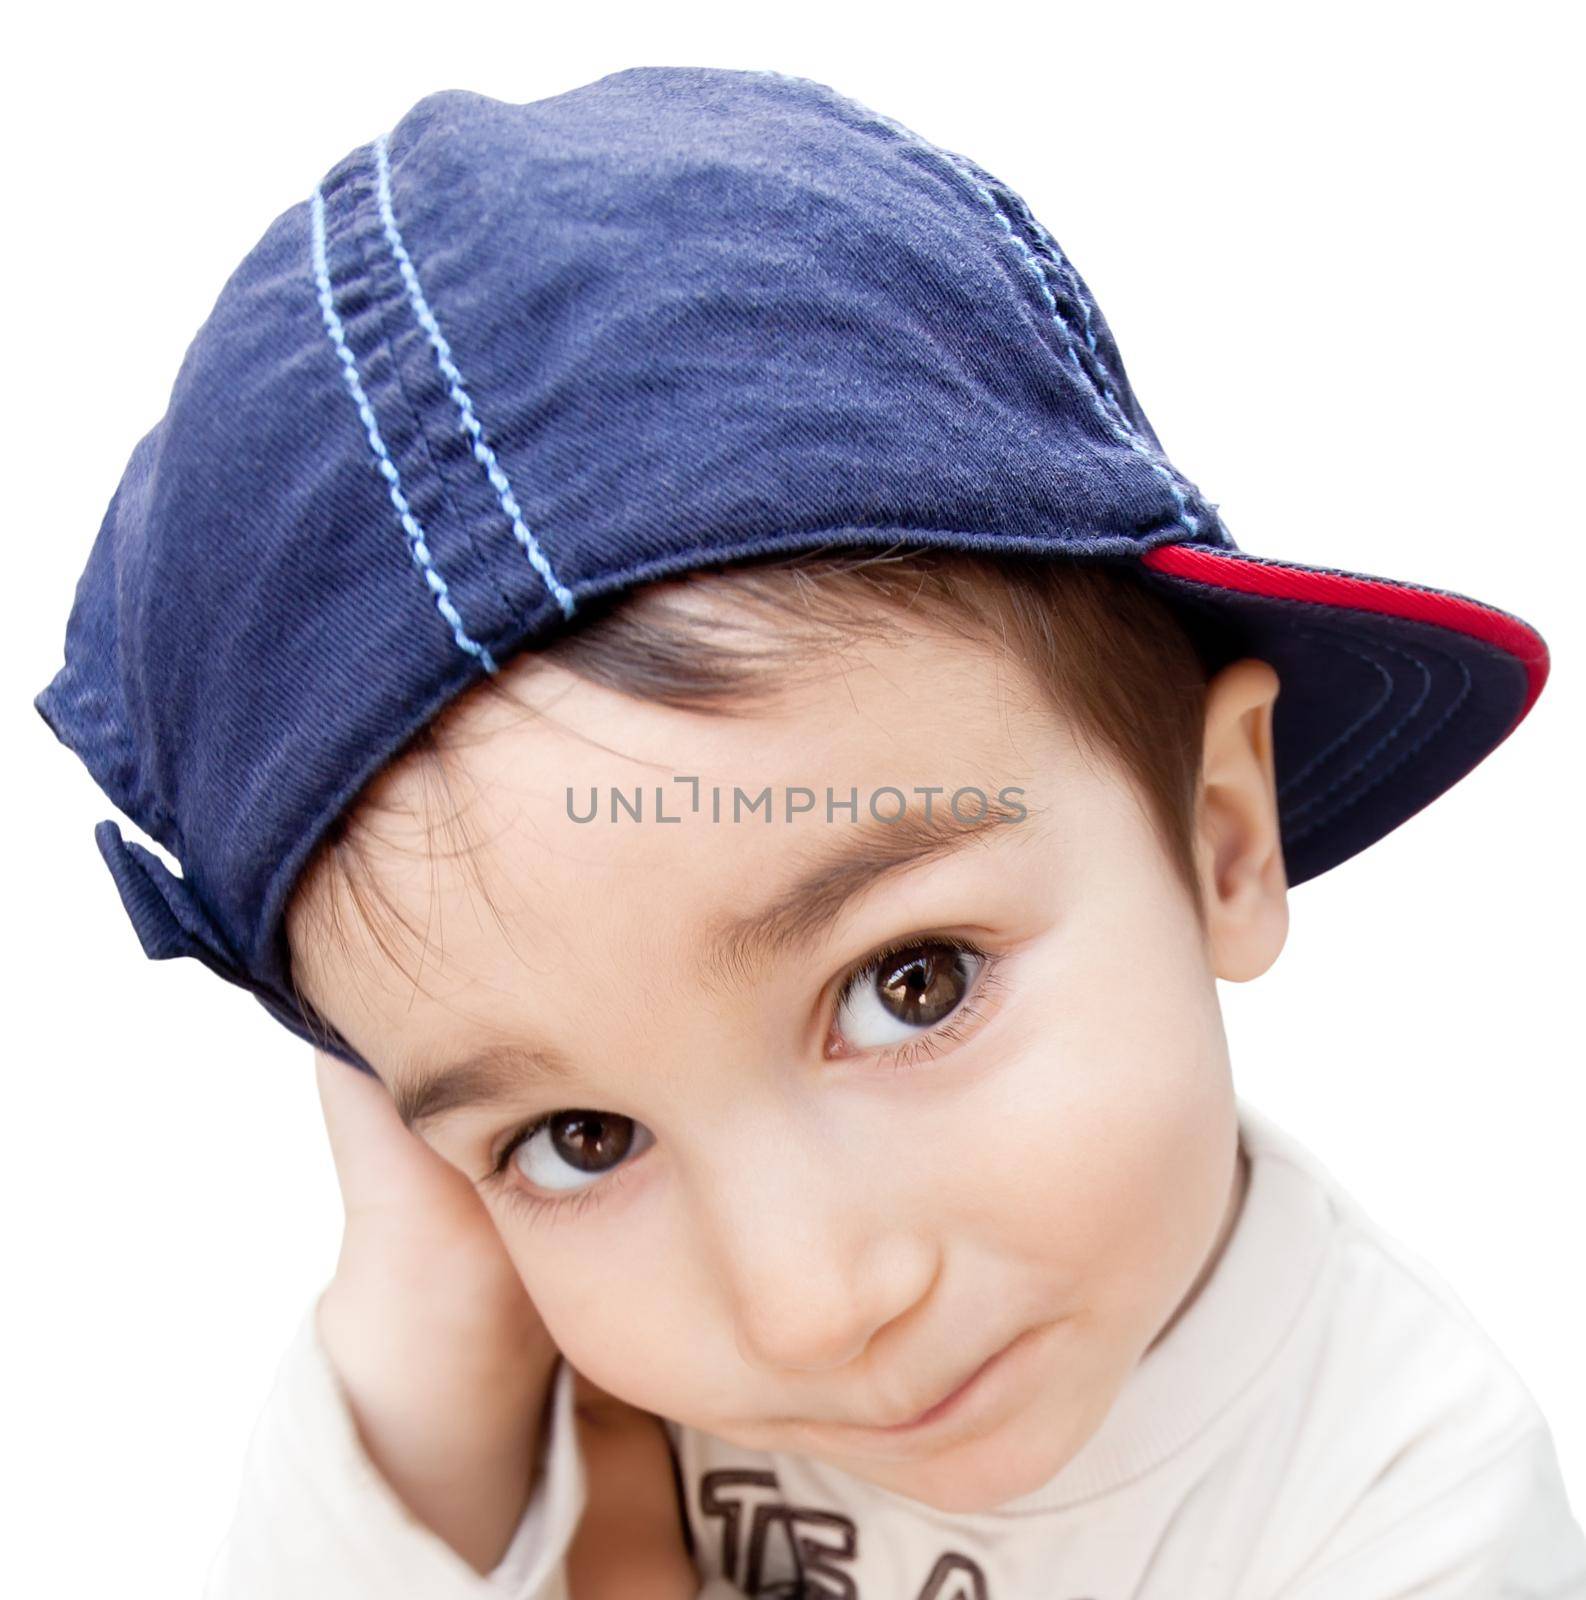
<point>933,1411</point>
<point>956,1402</point>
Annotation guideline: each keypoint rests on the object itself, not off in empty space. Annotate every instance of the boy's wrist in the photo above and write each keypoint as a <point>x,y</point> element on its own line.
<point>460,1444</point>
<point>477,1511</point>
<point>475,1508</point>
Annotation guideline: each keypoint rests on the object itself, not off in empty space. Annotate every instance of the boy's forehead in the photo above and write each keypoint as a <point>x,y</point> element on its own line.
<point>735,942</point>
<point>915,710</point>
<point>599,817</point>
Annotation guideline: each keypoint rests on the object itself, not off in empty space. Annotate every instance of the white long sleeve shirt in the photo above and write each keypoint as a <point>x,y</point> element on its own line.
<point>1326,1421</point>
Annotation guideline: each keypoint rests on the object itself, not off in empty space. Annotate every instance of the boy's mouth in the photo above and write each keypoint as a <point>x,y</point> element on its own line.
<point>965,1403</point>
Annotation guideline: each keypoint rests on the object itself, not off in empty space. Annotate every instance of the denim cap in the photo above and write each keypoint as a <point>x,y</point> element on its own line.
<point>507,358</point>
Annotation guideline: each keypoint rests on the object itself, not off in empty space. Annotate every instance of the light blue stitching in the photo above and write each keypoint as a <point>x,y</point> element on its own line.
<point>470,422</point>
<point>1404,754</point>
<point>1116,421</point>
<point>349,371</point>
<point>1354,727</point>
<point>1054,254</point>
<point>1051,254</point>
<point>1050,245</point>
<point>1365,761</point>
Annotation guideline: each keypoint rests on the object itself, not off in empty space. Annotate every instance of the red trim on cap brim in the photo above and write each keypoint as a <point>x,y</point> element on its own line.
<point>1222,570</point>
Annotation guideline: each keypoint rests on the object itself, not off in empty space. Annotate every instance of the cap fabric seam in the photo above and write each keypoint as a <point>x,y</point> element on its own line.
<point>418,549</point>
<point>417,415</point>
<point>956,165</point>
<point>1405,752</point>
<point>482,451</point>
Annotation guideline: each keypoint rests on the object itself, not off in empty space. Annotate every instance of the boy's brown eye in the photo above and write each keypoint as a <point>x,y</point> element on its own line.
<point>570,1149</point>
<point>592,1141</point>
<point>904,992</point>
<point>921,989</point>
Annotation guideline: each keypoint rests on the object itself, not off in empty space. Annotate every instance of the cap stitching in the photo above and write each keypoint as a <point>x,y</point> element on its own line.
<point>1052,252</point>
<point>386,466</point>
<point>1123,433</point>
<point>1293,836</point>
<point>1380,744</point>
<point>1404,754</point>
<point>1354,727</point>
<point>959,165</point>
<point>469,420</point>
<point>401,387</point>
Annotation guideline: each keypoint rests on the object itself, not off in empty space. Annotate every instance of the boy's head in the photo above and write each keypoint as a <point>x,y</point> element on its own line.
<point>837,1105</point>
<point>506,364</point>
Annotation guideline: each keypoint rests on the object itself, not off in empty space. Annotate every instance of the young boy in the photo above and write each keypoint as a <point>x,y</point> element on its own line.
<point>658,630</point>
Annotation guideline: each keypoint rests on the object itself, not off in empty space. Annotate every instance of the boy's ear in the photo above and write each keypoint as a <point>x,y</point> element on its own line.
<point>1239,848</point>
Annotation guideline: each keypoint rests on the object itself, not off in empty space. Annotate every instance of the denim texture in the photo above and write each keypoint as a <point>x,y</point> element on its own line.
<point>507,358</point>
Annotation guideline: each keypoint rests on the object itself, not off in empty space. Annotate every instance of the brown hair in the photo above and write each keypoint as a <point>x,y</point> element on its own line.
<point>1106,651</point>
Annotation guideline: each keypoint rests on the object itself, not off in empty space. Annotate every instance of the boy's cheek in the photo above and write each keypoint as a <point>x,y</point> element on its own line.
<point>1076,1169</point>
<point>1103,1188</point>
<point>1109,1172</point>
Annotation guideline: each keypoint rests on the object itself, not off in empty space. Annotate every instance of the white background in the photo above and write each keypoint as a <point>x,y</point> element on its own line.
<point>1337,246</point>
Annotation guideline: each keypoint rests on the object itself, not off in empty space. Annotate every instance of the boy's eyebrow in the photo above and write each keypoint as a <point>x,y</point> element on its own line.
<point>739,946</point>
<point>491,1076</point>
<point>735,948</point>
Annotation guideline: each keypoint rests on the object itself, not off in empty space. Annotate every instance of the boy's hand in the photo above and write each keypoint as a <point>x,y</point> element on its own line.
<point>443,1356</point>
<point>629,1544</point>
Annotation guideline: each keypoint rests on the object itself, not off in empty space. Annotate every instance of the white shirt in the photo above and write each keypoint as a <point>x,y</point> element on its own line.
<point>1326,1421</point>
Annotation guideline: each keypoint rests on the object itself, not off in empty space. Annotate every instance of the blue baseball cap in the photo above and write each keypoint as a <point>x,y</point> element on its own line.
<point>508,358</point>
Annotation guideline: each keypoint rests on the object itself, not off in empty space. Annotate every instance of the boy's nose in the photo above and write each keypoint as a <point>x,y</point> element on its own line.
<point>813,1268</point>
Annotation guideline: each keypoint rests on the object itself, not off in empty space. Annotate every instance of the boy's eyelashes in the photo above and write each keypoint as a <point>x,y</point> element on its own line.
<point>910,997</point>
<point>922,982</point>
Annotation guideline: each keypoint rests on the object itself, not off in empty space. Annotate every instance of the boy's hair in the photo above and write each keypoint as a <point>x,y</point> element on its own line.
<point>1106,653</point>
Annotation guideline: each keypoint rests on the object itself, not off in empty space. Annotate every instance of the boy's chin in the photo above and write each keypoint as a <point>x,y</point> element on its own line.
<point>1012,1460</point>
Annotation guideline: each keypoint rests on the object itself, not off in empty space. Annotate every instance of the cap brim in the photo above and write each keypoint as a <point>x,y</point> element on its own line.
<point>1391,692</point>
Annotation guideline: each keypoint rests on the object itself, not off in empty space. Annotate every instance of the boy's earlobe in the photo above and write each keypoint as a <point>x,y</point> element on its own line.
<point>1239,845</point>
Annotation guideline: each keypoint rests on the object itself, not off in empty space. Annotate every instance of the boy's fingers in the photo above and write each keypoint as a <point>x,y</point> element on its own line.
<point>357,1108</point>
<point>377,1159</point>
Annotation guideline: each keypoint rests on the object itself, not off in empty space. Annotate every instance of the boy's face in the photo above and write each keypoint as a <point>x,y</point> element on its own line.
<point>790,1215</point>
